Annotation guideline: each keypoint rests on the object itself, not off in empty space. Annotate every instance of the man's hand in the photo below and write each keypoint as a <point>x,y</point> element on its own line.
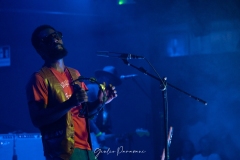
<point>108,94</point>
<point>79,96</point>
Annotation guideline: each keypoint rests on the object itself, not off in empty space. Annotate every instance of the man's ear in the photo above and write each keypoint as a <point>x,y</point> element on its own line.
<point>41,50</point>
<point>41,45</point>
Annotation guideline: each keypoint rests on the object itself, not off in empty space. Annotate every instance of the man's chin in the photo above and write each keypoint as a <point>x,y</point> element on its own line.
<point>57,53</point>
<point>58,57</point>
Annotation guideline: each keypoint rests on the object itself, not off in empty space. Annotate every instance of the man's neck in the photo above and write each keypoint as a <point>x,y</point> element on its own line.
<point>58,65</point>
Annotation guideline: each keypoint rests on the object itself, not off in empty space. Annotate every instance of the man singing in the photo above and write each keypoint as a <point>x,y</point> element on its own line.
<point>58,103</point>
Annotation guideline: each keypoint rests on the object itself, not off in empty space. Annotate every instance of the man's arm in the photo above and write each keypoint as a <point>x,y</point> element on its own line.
<point>104,97</point>
<point>41,116</point>
<point>37,95</point>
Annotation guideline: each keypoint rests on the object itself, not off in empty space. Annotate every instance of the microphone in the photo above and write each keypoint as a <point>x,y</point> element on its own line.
<point>128,76</point>
<point>119,55</point>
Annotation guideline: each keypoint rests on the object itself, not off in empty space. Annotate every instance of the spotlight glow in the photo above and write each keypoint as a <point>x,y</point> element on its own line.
<point>122,2</point>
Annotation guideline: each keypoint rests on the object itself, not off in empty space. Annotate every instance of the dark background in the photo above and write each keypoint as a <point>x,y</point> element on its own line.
<point>195,44</point>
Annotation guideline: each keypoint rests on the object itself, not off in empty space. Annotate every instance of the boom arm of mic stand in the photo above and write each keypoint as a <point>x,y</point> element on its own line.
<point>162,81</point>
<point>191,96</point>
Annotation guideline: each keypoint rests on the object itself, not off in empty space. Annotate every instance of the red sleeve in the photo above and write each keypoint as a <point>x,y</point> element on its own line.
<point>37,89</point>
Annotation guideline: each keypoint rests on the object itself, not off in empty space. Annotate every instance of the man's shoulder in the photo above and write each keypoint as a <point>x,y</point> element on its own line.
<point>35,78</point>
<point>36,74</point>
<point>73,69</point>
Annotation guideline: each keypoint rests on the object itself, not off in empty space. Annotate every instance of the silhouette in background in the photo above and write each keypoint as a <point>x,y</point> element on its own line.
<point>195,127</point>
<point>228,148</point>
<point>187,150</point>
<point>207,149</point>
<point>101,125</point>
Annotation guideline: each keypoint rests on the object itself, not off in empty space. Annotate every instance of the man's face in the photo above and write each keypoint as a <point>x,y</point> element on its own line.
<point>51,45</point>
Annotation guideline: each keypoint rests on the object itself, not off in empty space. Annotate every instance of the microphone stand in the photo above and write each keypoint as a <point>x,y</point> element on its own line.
<point>164,85</point>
